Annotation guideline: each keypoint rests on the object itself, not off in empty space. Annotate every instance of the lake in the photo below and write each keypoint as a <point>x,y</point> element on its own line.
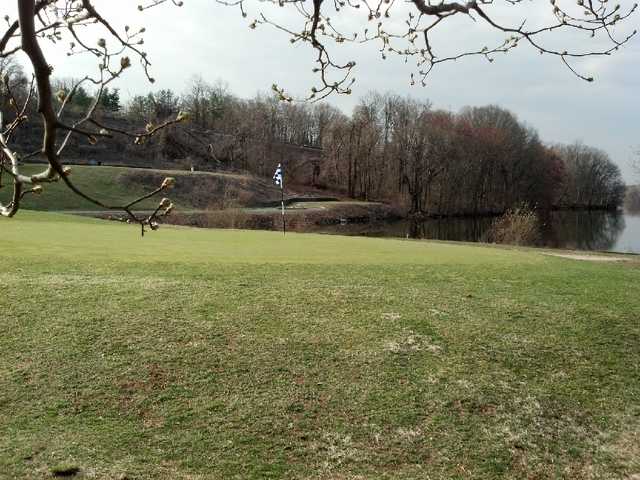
<point>596,231</point>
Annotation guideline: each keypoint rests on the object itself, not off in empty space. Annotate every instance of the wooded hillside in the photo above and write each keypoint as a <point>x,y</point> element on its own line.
<point>403,151</point>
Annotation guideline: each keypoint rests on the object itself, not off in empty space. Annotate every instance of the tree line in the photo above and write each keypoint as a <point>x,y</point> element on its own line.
<point>428,161</point>
<point>478,161</point>
<point>402,150</point>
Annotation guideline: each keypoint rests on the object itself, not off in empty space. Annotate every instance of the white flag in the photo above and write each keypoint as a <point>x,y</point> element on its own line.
<point>277,177</point>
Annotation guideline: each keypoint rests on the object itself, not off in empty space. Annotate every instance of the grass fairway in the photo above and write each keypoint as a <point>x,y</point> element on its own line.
<point>202,354</point>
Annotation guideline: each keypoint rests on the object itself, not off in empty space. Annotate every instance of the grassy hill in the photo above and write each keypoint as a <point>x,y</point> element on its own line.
<point>120,185</point>
<point>230,354</point>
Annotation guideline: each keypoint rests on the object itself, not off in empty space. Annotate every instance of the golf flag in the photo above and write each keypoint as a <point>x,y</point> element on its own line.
<point>277,177</point>
<point>279,180</point>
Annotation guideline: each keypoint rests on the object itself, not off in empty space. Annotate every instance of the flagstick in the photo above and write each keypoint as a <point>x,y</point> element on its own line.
<point>284,222</point>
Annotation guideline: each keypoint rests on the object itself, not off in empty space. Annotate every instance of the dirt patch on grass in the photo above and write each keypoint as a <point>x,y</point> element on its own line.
<point>627,450</point>
<point>588,258</point>
<point>411,343</point>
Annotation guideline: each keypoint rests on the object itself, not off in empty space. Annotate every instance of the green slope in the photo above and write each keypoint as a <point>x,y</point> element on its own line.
<point>120,185</point>
<point>227,354</point>
<point>56,196</point>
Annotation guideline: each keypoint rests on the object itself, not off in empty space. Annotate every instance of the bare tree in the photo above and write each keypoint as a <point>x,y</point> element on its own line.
<point>50,20</point>
<point>320,26</point>
<point>635,163</point>
<point>593,180</point>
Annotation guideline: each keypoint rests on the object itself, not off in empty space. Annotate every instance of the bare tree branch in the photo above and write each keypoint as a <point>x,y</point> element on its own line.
<point>55,17</point>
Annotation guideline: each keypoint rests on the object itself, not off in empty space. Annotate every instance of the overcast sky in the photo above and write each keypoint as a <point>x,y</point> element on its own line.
<point>207,39</point>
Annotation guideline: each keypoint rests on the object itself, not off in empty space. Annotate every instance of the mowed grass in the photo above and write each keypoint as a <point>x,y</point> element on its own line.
<point>204,354</point>
<point>87,178</point>
<point>108,181</point>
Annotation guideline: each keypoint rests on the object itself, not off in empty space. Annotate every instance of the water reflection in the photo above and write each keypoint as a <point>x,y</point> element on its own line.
<point>583,230</point>
<point>603,231</point>
<point>629,240</point>
<point>461,229</point>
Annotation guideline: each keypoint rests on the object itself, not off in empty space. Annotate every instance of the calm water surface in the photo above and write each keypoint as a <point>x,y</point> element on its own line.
<point>598,231</point>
